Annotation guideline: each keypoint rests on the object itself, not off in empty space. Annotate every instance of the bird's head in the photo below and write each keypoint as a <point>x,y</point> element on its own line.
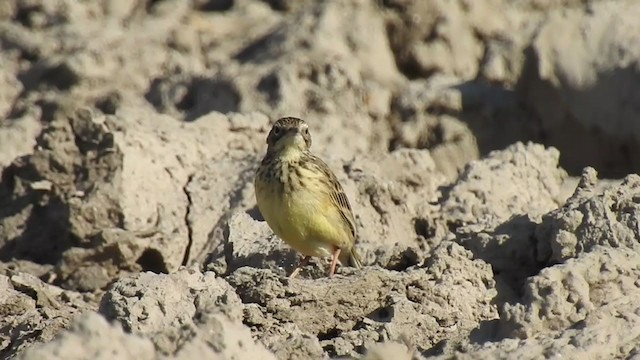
<point>289,134</point>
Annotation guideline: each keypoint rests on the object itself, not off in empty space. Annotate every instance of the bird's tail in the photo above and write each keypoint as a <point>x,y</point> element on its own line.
<point>354,258</point>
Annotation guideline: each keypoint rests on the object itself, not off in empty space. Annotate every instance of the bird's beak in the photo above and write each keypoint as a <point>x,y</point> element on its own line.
<point>296,132</point>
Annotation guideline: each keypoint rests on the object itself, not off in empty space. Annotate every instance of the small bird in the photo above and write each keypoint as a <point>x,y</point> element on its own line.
<point>302,200</point>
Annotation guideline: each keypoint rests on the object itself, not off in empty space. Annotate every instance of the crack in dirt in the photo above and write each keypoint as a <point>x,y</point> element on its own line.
<point>187,214</point>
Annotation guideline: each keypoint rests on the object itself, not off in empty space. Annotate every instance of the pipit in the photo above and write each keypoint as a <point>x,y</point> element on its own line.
<point>302,200</point>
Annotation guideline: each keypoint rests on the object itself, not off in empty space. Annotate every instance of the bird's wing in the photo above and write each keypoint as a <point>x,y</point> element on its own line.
<point>338,197</point>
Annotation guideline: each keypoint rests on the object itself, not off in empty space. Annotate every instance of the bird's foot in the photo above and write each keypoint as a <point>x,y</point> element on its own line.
<point>302,263</point>
<point>334,262</point>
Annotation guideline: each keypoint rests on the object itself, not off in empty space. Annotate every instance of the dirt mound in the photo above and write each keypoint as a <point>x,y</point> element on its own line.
<point>131,132</point>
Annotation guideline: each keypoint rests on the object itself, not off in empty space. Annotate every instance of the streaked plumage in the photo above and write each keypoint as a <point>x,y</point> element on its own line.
<point>302,200</point>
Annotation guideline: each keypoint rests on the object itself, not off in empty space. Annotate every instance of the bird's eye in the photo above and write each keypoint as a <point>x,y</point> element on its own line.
<point>276,130</point>
<point>306,131</point>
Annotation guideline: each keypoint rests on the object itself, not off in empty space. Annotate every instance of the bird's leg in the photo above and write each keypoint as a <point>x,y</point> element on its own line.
<point>302,263</point>
<point>334,261</point>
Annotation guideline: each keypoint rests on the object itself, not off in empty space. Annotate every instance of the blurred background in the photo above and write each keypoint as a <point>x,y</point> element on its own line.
<point>459,78</point>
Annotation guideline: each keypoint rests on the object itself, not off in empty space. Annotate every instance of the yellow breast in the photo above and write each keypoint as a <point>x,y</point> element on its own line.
<point>304,217</point>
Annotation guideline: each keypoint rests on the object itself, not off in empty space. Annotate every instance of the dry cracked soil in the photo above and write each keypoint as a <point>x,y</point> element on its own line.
<point>487,148</point>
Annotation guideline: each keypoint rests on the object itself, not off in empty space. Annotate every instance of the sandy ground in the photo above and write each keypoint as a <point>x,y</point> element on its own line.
<point>470,137</point>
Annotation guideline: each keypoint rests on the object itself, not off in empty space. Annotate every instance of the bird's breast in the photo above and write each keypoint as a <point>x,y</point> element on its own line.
<point>298,209</point>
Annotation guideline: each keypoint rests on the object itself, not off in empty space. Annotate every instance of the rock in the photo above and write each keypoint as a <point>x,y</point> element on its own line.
<point>351,313</point>
<point>222,186</point>
<point>17,137</point>
<point>456,120</point>
<point>339,73</point>
<point>604,333</point>
<point>34,312</point>
<point>564,295</point>
<point>90,336</point>
<point>520,179</point>
<point>253,244</point>
<point>129,184</point>
<point>436,37</point>
<point>590,218</point>
<point>495,205</point>
<point>390,198</point>
<point>181,308</point>
<point>389,350</point>
<point>582,90</point>
<point>416,124</point>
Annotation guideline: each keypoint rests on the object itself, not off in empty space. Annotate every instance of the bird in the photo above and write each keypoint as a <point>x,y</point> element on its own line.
<point>302,200</point>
